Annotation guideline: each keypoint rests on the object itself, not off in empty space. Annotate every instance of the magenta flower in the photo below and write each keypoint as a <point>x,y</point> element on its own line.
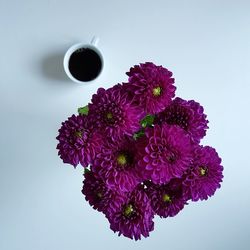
<point>167,200</point>
<point>164,153</point>
<point>78,142</point>
<point>97,193</point>
<point>205,174</point>
<point>143,151</point>
<point>188,115</point>
<point>152,86</point>
<point>111,111</point>
<point>133,217</point>
<point>115,165</point>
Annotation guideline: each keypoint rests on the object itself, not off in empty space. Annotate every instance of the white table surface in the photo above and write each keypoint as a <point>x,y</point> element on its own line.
<point>206,44</point>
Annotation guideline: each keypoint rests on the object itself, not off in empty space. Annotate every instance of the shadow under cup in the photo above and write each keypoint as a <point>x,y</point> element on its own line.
<point>83,63</point>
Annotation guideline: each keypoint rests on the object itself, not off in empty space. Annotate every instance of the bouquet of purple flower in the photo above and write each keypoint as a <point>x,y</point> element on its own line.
<point>141,151</point>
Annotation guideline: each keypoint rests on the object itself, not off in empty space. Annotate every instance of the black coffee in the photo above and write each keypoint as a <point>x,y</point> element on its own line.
<point>85,64</point>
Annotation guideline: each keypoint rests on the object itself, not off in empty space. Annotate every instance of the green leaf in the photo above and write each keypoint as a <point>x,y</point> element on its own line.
<point>138,134</point>
<point>147,121</point>
<point>83,110</point>
<point>86,171</point>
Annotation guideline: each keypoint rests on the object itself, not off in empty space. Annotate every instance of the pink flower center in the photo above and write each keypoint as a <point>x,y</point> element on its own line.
<point>171,157</point>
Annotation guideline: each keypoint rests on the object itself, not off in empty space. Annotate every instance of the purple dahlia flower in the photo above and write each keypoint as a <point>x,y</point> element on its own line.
<point>133,217</point>
<point>152,86</point>
<point>78,142</point>
<point>188,115</point>
<point>164,153</point>
<point>167,200</point>
<point>115,164</point>
<point>205,174</point>
<point>112,112</point>
<point>97,193</point>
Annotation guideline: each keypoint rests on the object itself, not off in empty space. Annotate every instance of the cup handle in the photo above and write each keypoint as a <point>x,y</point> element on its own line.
<point>95,41</point>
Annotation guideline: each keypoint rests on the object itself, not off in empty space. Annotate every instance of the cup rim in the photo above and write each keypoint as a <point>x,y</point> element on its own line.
<point>71,50</point>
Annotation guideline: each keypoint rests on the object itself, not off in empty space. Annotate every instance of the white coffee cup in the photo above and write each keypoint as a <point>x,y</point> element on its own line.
<point>92,46</point>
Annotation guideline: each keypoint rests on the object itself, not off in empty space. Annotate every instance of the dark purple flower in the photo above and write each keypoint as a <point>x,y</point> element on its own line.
<point>188,115</point>
<point>152,86</point>
<point>112,112</point>
<point>205,174</point>
<point>78,142</point>
<point>167,200</point>
<point>133,217</point>
<point>115,165</point>
<point>164,153</point>
<point>97,193</point>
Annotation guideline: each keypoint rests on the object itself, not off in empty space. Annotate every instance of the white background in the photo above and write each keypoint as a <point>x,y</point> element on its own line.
<point>206,44</point>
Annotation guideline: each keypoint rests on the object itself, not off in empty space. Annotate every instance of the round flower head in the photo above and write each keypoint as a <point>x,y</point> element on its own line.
<point>115,164</point>
<point>167,200</point>
<point>97,193</point>
<point>152,86</point>
<point>112,112</point>
<point>77,141</point>
<point>188,115</point>
<point>205,174</point>
<point>164,153</point>
<point>133,217</point>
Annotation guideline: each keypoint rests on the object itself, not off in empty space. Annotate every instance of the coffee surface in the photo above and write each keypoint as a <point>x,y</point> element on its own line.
<point>85,64</point>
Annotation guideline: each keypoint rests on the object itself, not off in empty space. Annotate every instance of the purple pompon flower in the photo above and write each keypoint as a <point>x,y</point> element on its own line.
<point>152,86</point>
<point>97,193</point>
<point>133,217</point>
<point>78,142</point>
<point>167,200</point>
<point>188,115</point>
<point>112,112</point>
<point>164,153</point>
<point>205,174</point>
<point>115,164</point>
